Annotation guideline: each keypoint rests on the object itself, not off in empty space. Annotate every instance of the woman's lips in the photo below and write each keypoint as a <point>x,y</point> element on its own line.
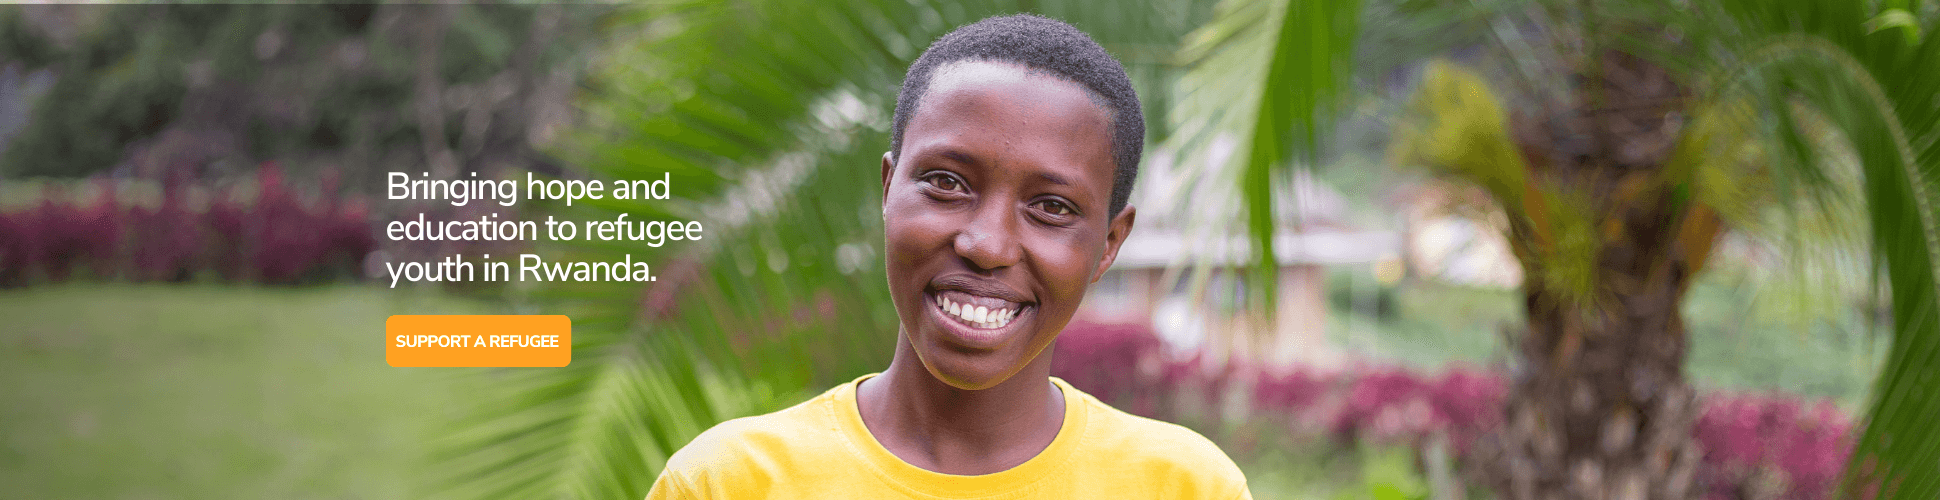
<point>976,321</point>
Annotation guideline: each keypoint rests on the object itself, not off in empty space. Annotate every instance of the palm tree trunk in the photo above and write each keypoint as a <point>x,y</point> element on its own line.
<point>1599,407</point>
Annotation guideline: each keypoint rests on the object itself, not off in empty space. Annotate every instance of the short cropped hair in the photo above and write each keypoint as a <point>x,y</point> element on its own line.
<point>1041,44</point>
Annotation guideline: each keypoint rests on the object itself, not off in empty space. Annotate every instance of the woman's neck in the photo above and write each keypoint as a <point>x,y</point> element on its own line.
<point>941,428</point>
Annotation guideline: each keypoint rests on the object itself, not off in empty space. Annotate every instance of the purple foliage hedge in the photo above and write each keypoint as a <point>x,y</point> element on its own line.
<point>1755,446</point>
<point>275,236</point>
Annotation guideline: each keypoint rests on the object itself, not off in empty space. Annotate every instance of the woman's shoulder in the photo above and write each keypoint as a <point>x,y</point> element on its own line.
<point>1156,446</point>
<point>792,431</point>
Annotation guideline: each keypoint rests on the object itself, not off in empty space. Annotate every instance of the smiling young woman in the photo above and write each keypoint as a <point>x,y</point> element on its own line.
<point>1015,145</point>
<point>1000,202</point>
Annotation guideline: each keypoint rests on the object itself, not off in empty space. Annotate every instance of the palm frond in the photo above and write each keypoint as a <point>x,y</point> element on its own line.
<point>1275,108</point>
<point>1265,82</point>
<point>1877,88</point>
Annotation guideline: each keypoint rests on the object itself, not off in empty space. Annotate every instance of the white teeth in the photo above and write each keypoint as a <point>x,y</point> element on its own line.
<point>977,316</point>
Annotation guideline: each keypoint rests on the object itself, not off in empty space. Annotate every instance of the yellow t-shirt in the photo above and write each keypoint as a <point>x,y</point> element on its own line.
<point>820,449</point>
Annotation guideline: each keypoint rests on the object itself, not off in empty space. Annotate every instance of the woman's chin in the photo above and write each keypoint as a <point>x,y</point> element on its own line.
<point>967,371</point>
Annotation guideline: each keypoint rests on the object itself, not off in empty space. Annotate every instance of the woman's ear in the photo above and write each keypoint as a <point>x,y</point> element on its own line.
<point>888,168</point>
<point>1121,227</point>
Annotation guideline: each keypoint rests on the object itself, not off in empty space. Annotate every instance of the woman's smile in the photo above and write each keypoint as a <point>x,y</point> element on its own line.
<point>977,314</point>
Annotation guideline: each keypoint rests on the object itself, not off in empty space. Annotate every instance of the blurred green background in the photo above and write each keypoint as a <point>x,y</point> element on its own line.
<point>1370,235</point>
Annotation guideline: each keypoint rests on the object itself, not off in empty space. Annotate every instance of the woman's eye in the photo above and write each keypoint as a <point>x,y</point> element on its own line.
<point>943,182</point>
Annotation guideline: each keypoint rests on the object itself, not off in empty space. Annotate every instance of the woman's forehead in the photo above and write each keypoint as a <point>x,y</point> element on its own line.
<point>1031,112</point>
<point>986,75</point>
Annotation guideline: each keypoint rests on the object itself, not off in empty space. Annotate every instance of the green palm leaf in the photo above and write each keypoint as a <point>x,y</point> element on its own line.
<point>1265,74</point>
<point>1878,88</point>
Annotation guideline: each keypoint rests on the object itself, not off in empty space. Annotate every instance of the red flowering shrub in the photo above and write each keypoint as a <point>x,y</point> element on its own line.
<point>1752,440</point>
<point>62,238</point>
<point>169,239</point>
<point>276,237</point>
<point>1753,445</point>
<point>1104,360</point>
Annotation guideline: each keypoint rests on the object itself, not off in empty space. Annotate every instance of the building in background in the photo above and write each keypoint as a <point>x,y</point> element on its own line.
<point>1191,287</point>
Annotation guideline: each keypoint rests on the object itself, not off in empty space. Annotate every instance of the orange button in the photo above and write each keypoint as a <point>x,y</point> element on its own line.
<point>450,340</point>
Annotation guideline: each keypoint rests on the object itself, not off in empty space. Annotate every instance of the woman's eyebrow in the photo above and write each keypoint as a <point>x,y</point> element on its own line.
<point>1054,178</point>
<point>958,156</point>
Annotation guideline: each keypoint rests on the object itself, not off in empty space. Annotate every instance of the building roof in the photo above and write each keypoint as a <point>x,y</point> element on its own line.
<point>1163,248</point>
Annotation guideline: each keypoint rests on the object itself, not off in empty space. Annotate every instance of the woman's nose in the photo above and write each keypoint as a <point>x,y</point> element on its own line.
<point>989,241</point>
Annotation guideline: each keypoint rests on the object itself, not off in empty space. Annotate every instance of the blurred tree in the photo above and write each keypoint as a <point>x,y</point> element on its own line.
<point>1638,131</point>
<point>210,89</point>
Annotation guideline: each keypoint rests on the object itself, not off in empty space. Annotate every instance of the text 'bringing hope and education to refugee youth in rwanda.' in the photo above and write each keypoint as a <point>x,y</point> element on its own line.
<point>491,227</point>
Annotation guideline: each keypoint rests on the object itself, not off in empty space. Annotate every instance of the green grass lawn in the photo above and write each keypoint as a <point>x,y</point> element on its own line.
<point>203,391</point>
